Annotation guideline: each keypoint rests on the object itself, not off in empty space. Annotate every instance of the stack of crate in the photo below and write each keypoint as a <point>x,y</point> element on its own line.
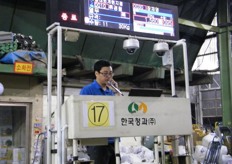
<point>7,43</point>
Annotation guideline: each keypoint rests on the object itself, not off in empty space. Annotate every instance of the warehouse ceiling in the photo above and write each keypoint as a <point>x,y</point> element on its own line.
<point>144,65</point>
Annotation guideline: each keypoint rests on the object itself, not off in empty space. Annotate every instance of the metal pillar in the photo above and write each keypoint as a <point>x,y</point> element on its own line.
<point>224,49</point>
<point>188,139</point>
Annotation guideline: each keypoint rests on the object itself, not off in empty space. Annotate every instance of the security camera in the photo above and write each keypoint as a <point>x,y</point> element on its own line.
<point>160,48</point>
<point>131,45</point>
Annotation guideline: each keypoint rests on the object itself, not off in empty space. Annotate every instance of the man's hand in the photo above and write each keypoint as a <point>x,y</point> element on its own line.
<point>113,85</point>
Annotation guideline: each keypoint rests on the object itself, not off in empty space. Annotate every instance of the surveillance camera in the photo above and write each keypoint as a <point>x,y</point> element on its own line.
<point>131,45</point>
<point>160,48</point>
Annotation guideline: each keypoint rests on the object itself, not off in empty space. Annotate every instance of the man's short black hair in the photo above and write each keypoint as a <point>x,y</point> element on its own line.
<point>101,63</point>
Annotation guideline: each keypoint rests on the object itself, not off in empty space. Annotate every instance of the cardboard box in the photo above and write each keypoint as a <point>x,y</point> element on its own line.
<point>5,154</point>
<point>18,154</point>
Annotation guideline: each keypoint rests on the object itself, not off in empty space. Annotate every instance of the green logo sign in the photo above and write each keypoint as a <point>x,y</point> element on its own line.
<point>134,107</point>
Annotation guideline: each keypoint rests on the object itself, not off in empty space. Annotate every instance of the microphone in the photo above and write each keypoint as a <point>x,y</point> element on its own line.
<point>115,88</point>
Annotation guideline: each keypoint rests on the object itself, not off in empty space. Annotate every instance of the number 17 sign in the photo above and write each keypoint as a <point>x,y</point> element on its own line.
<point>98,114</point>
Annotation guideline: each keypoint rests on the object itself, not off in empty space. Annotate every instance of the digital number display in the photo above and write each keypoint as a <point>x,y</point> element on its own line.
<point>153,20</point>
<point>128,17</point>
<point>67,14</point>
<point>107,13</point>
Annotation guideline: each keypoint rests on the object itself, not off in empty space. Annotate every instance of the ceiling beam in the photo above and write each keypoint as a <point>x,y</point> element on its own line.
<point>123,70</point>
<point>155,73</point>
<point>198,25</point>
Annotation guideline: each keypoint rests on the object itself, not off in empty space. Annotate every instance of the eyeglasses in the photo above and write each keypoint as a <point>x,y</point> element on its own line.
<point>107,74</point>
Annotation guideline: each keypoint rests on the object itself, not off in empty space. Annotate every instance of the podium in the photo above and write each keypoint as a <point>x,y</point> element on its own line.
<point>121,116</point>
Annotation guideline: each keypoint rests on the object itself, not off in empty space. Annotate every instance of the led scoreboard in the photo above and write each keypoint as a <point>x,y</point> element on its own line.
<point>109,14</point>
<point>152,19</point>
<point>131,17</point>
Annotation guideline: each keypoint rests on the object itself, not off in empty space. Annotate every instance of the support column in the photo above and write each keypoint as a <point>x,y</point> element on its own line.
<point>224,49</point>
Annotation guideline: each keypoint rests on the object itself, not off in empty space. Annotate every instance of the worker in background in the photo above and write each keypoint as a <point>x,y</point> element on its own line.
<point>103,71</point>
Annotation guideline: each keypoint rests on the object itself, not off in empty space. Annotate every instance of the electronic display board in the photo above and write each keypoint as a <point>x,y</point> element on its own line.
<point>130,17</point>
<point>66,12</point>
<point>152,20</point>
<point>106,13</point>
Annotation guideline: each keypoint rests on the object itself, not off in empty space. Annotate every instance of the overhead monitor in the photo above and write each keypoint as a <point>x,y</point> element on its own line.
<point>107,14</point>
<point>130,17</point>
<point>153,19</point>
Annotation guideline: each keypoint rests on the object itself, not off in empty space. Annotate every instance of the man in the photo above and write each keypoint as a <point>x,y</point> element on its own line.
<point>104,74</point>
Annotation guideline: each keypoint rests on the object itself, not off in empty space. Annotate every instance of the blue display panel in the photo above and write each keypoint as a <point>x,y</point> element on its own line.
<point>108,14</point>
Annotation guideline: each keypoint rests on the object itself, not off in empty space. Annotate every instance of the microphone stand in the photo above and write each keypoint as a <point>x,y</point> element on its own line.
<point>116,141</point>
<point>115,88</point>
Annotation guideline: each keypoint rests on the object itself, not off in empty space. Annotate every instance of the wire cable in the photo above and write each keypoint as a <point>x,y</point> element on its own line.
<point>12,17</point>
<point>36,146</point>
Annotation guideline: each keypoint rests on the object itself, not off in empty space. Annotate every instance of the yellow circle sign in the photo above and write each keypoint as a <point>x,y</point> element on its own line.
<point>98,114</point>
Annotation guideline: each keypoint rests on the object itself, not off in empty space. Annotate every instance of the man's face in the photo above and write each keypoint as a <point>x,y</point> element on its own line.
<point>104,75</point>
